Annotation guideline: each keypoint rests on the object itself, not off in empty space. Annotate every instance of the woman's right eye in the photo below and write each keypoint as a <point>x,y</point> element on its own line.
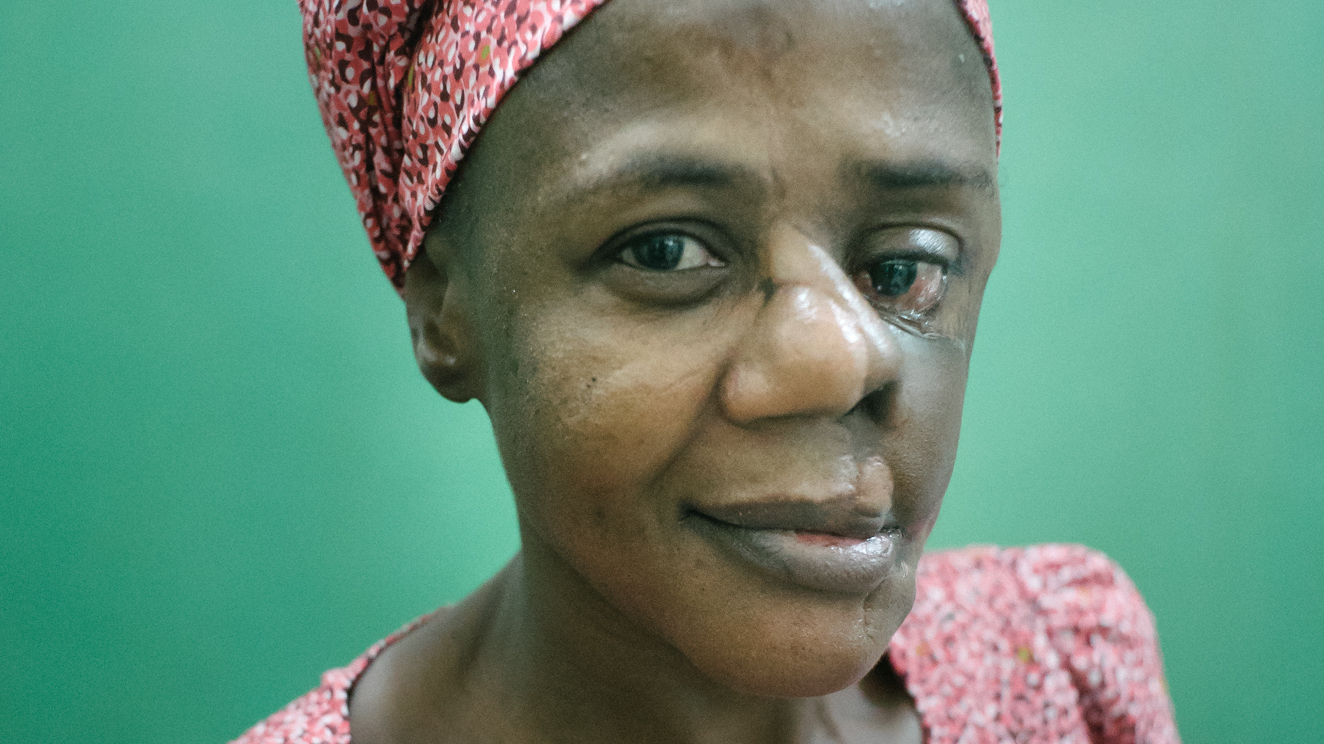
<point>667,252</point>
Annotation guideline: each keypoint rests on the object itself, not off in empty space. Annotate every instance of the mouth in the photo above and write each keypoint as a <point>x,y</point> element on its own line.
<point>834,547</point>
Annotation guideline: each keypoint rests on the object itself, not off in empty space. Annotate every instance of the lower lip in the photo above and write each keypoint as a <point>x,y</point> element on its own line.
<point>825,563</point>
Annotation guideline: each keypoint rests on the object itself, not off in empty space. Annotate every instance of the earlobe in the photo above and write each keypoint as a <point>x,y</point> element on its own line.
<point>443,339</point>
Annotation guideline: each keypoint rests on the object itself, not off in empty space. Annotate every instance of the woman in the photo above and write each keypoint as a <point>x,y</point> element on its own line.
<point>713,268</point>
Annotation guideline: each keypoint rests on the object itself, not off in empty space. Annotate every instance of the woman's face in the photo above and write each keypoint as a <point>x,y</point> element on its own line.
<point>714,269</point>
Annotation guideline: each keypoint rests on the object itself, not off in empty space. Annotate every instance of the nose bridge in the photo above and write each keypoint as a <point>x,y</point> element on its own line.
<point>816,348</point>
<point>793,258</point>
<point>796,260</point>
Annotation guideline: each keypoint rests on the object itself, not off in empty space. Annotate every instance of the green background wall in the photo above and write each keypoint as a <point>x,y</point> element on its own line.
<point>221,474</point>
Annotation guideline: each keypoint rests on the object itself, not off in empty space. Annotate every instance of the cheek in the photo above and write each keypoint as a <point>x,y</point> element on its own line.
<point>600,419</point>
<point>586,416</point>
<point>923,453</point>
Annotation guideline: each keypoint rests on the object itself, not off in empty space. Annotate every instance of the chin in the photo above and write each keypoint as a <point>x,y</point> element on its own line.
<point>806,647</point>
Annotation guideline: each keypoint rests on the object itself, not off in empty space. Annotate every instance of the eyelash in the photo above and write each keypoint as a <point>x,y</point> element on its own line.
<point>913,304</point>
<point>711,237</point>
<point>925,286</point>
<point>668,247</point>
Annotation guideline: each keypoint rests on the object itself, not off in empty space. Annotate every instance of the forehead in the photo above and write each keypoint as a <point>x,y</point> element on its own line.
<point>901,77</point>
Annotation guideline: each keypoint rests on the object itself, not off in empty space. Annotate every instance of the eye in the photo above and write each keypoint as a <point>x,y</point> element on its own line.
<point>667,252</point>
<point>903,286</point>
<point>906,272</point>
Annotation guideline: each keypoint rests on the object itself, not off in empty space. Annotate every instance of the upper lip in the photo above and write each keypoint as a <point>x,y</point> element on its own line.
<point>845,517</point>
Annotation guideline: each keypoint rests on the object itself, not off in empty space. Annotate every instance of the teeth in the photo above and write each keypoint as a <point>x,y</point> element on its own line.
<point>878,545</point>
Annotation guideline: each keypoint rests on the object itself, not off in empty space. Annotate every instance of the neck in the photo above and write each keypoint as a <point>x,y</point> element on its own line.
<point>573,668</point>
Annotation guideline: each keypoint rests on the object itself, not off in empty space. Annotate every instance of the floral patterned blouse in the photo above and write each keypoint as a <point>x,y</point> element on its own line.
<point>1050,643</point>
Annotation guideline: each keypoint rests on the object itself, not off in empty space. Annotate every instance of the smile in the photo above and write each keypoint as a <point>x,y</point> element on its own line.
<point>829,548</point>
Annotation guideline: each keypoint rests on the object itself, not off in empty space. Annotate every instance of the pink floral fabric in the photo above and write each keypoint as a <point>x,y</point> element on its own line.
<point>404,86</point>
<point>1050,643</point>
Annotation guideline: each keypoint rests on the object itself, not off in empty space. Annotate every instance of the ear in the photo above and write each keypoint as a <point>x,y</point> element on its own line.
<point>445,345</point>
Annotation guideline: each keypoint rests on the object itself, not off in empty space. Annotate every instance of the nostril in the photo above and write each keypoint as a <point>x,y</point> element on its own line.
<point>880,405</point>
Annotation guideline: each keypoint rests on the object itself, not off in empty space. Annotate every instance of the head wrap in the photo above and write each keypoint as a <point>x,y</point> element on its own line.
<point>404,86</point>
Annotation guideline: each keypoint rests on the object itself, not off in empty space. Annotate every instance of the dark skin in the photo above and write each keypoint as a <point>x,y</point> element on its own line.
<point>708,256</point>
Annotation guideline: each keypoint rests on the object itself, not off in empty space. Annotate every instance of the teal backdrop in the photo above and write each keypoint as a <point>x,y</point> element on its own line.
<point>220,472</point>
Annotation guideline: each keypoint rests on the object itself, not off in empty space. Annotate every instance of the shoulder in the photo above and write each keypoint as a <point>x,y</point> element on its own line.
<point>319,717</point>
<point>992,592</point>
<point>1058,630</point>
<point>1052,579</point>
<point>1065,589</point>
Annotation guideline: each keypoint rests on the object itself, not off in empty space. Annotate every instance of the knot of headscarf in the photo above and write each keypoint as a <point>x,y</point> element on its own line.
<point>404,86</point>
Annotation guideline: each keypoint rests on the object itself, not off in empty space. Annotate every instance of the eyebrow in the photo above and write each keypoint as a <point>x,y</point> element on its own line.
<point>662,172</point>
<point>883,176</point>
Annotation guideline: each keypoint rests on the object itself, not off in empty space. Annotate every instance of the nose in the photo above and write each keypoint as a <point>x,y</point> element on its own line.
<point>816,348</point>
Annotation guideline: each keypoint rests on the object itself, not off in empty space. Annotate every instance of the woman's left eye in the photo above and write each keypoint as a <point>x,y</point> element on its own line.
<point>667,252</point>
<point>906,287</point>
<point>906,276</point>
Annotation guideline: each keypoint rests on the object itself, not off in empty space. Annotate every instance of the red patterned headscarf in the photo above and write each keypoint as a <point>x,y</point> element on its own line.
<point>404,86</point>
